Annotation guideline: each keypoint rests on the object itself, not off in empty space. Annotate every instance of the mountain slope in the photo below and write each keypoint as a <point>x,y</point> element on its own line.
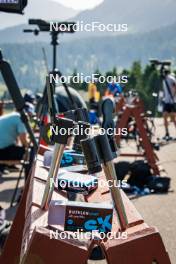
<point>140,15</point>
<point>86,55</point>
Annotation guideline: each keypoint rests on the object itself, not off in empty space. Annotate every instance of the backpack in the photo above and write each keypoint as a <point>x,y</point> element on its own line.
<point>140,173</point>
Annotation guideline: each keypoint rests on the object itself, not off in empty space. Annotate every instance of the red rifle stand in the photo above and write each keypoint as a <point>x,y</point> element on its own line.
<point>29,240</point>
<point>12,247</point>
<point>43,250</point>
<point>143,244</point>
<point>141,247</point>
<point>137,113</point>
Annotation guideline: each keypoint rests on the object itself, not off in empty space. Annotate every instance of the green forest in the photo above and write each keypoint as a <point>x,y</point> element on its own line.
<point>113,57</point>
<point>144,80</point>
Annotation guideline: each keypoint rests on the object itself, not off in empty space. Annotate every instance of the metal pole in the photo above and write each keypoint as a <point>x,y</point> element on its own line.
<point>55,164</point>
<point>110,173</point>
<point>106,157</point>
<point>54,43</point>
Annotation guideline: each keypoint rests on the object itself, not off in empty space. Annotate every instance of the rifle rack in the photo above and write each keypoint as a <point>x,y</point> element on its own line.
<point>136,110</point>
<point>29,239</point>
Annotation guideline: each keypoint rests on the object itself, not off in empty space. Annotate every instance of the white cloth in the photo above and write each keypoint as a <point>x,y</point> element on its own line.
<point>172,84</point>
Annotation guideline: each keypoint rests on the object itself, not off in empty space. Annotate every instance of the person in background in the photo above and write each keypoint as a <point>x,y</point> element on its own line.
<point>94,97</point>
<point>12,132</point>
<point>169,99</point>
<point>29,97</point>
<point>113,89</point>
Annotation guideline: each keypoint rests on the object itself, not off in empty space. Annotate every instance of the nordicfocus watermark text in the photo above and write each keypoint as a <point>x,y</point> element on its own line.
<point>81,78</point>
<point>89,131</point>
<point>101,184</point>
<point>87,235</point>
<point>93,26</point>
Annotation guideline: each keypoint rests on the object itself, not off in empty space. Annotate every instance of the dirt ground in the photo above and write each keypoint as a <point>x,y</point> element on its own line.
<point>157,210</point>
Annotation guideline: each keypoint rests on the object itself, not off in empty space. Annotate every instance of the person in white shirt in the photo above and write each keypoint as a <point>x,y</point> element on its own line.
<point>169,100</point>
